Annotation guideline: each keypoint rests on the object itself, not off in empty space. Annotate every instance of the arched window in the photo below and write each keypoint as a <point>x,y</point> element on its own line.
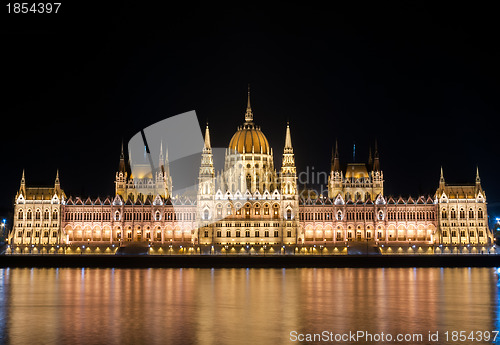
<point>288,214</point>
<point>20,215</point>
<point>380,215</point>
<point>117,215</point>
<point>471,213</point>
<point>206,214</point>
<point>453,214</point>
<point>444,214</point>
<point>266,209</point>
<point>480,213</point>
<point>37,215</point>
<point>157,215</point>
<point>54,215</point>
<point>46,215</point>
<point>257,209</point>
<point>249,182</point>
<point>339,215</point>
<point>275,211</point>
<point>462,213</point>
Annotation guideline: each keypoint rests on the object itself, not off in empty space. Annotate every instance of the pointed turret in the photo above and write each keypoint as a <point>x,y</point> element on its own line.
<point>22,188</point>
<point>288,158</point>
<point>441,180</point>
<point>288,178</point>
<point>166,163</point>
<point>164,173</point>
<point>57,184</point>
<point>207,162</point>
<point>207,145</point>
<point>160,157</point>
<point>478,182</point>
<point>288,140</point>
<point>335,158</point>
<point>376,160</point>
<point>122,166</point>
<point>248,113</point>
<point>206,183</point>
<point>121,176</point>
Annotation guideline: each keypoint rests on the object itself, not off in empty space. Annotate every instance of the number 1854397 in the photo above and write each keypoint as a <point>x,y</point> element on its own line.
<point>35,7</point>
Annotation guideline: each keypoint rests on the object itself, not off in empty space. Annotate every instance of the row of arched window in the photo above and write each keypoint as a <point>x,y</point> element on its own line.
<point>369,215</point>
<point>38,215</point>
<point>453,213</point>
<point>128,216</point>
<point>248,210</point>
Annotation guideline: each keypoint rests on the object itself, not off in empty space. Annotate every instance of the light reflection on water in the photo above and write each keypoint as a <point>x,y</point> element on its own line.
<point>240,306</point>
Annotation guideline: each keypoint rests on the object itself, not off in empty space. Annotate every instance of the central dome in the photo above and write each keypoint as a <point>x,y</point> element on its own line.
<point>249,138</point>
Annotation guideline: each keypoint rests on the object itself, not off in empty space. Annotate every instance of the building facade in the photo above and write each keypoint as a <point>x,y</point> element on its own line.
<point>252,207</point>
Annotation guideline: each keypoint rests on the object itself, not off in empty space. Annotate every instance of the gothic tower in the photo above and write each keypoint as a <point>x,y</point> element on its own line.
<point>289,193</point>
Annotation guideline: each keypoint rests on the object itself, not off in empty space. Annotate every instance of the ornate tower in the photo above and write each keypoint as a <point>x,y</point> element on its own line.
<point>360,182</point>
<point>121,177</point>
<point>377,176</point>
<point>206,181</point>
<point>163,178</point>
<point>251,158</point>
<point>289,194</point>
<point>206,194</point>
<point>336,175</point>
<point>462,214</point>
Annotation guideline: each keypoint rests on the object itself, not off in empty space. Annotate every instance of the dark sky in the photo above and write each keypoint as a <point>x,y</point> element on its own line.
<point>421,80</point>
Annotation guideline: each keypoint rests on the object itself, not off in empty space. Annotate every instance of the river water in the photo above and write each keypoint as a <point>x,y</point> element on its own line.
<point>249,306</point>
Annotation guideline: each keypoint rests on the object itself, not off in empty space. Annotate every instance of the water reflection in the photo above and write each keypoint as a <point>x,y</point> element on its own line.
<point>240,306</point>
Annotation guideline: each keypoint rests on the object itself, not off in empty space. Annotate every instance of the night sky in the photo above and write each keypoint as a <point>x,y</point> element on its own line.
<point>421,80</point>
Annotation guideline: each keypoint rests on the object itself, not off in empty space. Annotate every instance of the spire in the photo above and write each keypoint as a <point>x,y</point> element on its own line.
<point>121,166</point>
<point>335,158</point>
<point>160,158</point>
<point>376,161</point>
<point>288,173</point>
<point>478,179</point>
<point>441,179</point>
<point>57,184</point>
<point>288,159</point>
<point>166,173</point>
<point>166,164</point>
<point>22,188</point>
<point>288,139</point>
<point>248,113</point>
<point>207,139</point>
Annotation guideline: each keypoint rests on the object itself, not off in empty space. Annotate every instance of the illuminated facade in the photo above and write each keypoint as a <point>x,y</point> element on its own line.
<point>252,207</point>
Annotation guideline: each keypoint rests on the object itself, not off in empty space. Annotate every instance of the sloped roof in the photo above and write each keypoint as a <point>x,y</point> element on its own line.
<point>41,193</point>
<point>460,191</point>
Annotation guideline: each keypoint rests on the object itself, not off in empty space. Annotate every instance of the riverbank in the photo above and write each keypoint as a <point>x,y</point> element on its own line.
<point>221,261</point>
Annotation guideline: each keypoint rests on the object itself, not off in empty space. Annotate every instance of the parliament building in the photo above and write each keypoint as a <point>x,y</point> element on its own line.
<point>250,208</point>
